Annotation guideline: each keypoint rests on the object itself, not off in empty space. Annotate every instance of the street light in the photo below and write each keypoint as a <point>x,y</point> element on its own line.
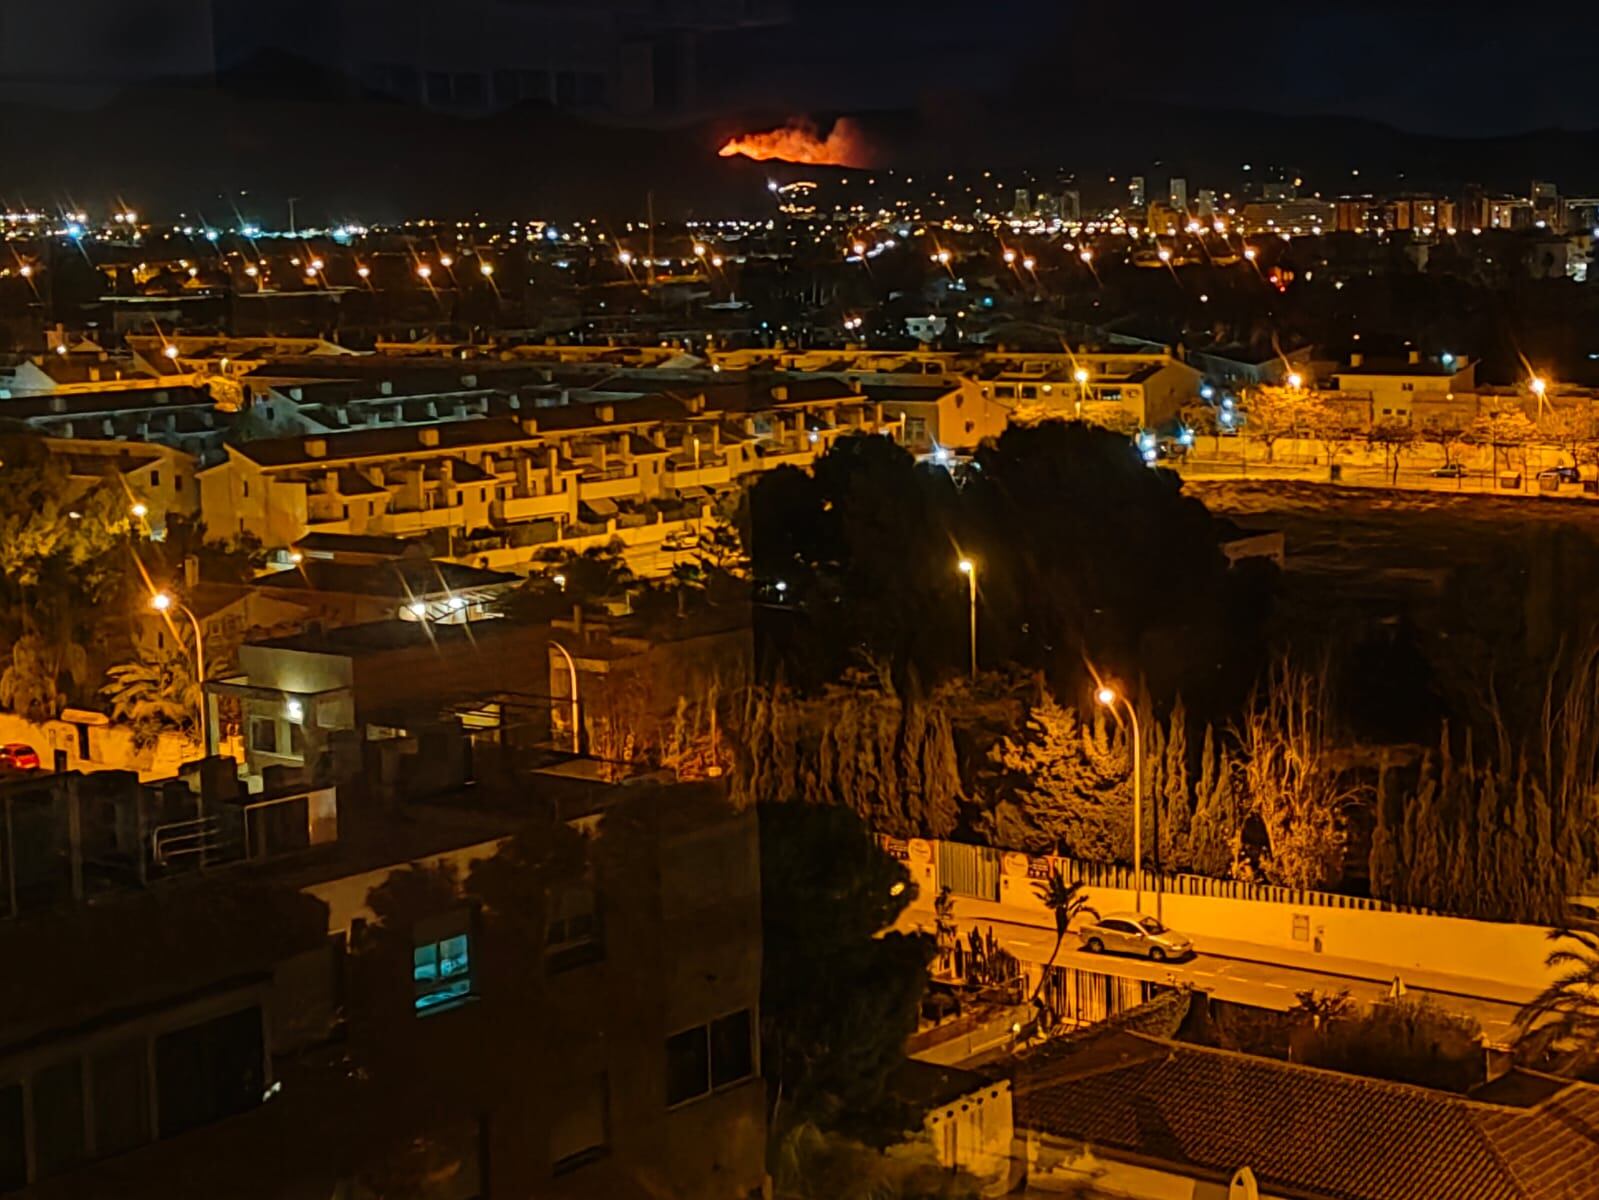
<point>1296,380</point>
<point>163,602</point>
<point>969,569</point>
<point>1081,376</point>
<point>1108,698</point>
<point>571,670</point>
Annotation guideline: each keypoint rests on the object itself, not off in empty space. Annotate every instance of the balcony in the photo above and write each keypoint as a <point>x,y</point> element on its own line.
<point>418,521</point>
<point>514,509</point>
<point>706,475</point>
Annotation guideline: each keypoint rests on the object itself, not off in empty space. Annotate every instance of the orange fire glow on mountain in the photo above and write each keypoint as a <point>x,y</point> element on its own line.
<point>799,142</point>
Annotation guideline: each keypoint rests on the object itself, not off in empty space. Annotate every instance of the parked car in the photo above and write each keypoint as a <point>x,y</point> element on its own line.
<point>1134,933</point>
<point>1449,471</point>
<point>18,756</point>
<point>681,539</point>
<point>1563,474</point>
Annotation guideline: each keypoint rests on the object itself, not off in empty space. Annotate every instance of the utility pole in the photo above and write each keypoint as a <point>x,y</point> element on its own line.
<point>293,200</point>
<point>649,216</point>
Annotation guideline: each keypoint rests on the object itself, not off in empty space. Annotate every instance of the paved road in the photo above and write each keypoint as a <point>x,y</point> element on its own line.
<point>1245,972</point>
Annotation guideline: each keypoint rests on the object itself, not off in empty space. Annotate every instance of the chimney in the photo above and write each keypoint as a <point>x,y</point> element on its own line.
<point>296,393</point>
<point>605,412</point>
<point>1415,357</point>
<point>530,424</point>
<point>316,447</point>
<point>428,435</point>
<point>780,393</point>
<point>1357,359</point>
<point>469,381</point>
<point>386,388</point>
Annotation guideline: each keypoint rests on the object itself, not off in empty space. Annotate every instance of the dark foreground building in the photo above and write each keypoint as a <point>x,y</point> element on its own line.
<point>521,982</point>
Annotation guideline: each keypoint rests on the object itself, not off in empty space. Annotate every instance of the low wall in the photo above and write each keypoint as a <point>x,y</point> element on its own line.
<point>110,747</point>
<point>1324,924</point>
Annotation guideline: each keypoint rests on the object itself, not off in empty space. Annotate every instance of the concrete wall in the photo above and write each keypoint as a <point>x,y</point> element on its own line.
<point>110,747</point>
<point>1500,953</point>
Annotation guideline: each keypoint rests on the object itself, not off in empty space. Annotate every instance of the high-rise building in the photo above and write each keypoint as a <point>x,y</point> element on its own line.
<point>1023,207</point>
<point>1179,194</point>
<point>1071,206</point>
<point>1205,204</point>
<point>1137,197</point>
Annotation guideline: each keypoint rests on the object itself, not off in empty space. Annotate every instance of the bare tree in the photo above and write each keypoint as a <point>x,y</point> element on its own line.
<point>1287,781</point>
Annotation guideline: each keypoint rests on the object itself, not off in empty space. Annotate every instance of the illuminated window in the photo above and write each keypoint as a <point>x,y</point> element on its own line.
<point>441,963</point>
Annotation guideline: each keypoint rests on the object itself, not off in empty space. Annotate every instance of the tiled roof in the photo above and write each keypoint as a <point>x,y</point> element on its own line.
<point>1308,1131</point>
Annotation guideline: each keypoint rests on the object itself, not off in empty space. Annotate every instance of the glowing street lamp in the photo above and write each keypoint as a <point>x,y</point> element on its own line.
<point>1010,257</point>
<point>424,272</point>
<point>969,569</point>
<point>1296,380</point>
<point>1109,698</point>
<point>1029,263</point>
<point>364,272</point>
<point>139,510</point>
<point>625,257</point>
<point>446,261</point>
<point>486,269</point>
<point>164,603</point>
<point>858,249</point>
<point>699,249</point>
<point>943,258</point>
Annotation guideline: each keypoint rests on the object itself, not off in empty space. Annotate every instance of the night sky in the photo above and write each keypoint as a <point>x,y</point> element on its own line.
<point>1428,67</point>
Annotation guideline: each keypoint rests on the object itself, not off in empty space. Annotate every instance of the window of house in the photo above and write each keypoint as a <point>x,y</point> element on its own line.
<point>1005,391</point>
<point>441,962</point>
<point>581,1131</point>
<point>209,1071</point>
<point>708,1057</point>
<point>155,480</point>
<point>1029,391</point>
<point>58,1143</point>
<point>264,734</point>
<point>121,1099</point>
<point>574,928</point>
<point>688,1065</point>
<point>732,1049</point>
<point>13,1148</point>
<point>244,485</point>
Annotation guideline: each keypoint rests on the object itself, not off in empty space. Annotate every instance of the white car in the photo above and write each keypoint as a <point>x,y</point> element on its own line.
<point>1134,933</point>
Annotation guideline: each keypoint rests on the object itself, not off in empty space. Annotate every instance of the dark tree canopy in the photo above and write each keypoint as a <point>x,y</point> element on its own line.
<point>1081,550</point>
<point>837,999</point>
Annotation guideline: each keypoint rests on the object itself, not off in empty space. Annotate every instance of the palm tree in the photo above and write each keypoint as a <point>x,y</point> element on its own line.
<point>1565,1015</point>
<point>153,697</point>
<point>1067,902</point>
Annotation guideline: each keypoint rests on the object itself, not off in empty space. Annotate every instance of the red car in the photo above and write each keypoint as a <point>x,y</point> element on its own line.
<point>18,756</point>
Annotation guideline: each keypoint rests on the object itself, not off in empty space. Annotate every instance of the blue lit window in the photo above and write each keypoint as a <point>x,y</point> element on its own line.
<point>442,971</point>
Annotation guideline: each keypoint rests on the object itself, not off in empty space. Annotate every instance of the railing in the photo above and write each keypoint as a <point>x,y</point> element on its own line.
<point>182,839</point>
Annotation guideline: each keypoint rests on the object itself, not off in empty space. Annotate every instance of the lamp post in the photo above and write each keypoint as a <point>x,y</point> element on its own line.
<point>1081,376</point>
<point>1109,698</point>
<point>162,602</point>
<point>969,569</point>
<point>571,670</point>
